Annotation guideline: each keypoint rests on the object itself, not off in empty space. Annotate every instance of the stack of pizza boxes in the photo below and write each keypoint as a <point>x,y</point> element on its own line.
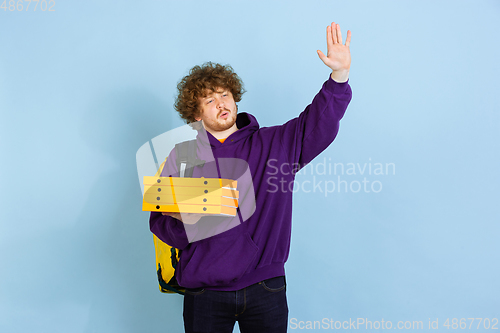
<point>210,196</point>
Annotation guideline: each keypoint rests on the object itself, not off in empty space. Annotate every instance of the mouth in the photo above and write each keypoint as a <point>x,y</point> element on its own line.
<point>224,114</point>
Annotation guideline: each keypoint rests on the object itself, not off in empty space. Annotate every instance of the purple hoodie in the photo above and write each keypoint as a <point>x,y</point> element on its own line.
<point>233,253</point>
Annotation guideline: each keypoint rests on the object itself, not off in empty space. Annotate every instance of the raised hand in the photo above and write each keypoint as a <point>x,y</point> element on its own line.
<point>339,55</point>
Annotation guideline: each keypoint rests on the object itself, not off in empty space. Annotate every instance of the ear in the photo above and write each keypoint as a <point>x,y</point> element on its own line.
<point>198,116</point>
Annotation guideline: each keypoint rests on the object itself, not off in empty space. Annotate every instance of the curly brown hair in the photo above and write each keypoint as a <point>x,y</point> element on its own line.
<point>201,81</point>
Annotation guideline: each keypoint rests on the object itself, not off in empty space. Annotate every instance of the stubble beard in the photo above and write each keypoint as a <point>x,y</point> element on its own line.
<point>220,124</point>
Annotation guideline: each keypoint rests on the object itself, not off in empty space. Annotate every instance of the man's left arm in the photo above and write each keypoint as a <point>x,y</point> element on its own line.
<point>306,136</point>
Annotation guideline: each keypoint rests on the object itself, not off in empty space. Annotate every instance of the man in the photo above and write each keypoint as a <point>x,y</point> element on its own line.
<point>237,273</point>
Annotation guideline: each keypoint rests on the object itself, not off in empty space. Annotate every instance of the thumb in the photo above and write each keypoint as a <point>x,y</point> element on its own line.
<point>322,56</point>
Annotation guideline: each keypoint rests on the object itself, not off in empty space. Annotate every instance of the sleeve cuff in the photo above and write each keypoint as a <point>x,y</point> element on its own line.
<point>335,87</point>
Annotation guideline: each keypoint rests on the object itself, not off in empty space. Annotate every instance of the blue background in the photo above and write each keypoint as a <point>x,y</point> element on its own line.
<point>83,87</point>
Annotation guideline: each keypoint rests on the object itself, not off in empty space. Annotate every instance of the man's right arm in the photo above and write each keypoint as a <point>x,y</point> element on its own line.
<point>167,228</point>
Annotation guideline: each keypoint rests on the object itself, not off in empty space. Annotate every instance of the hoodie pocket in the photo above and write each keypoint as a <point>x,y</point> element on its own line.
<point>218,261</point>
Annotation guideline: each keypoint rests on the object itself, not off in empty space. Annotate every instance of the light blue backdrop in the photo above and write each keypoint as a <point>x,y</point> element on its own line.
<point>83,87</point>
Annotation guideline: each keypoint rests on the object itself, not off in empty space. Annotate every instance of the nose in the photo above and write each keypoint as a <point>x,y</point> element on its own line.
<point>220,103</point>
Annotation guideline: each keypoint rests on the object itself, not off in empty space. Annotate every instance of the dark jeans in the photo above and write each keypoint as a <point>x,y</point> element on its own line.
<point>260,308</point>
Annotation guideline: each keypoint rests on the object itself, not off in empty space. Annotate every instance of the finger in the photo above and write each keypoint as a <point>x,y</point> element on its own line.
<point>323,58</point>
<point>339,34</point>
<point>348,39</point>
<point>334,33</point>
<point>329,38</point>
<point>321,55</point>
<point>174,215</point>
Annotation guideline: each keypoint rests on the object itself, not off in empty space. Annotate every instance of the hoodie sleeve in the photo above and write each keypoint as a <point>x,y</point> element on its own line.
<point>166,228</point>
<point>306,136</point>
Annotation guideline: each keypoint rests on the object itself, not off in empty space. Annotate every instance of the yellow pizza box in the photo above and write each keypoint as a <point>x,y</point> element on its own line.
<point>186,208</point>
<point>197,182</point>
<point>190,191</point>
<point>163,199</point>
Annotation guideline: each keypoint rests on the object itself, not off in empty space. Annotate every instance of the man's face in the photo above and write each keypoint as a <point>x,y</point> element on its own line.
<point>218,110</point>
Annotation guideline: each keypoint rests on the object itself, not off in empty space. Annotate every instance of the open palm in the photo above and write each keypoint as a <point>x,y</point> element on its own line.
<point>339,55</point>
